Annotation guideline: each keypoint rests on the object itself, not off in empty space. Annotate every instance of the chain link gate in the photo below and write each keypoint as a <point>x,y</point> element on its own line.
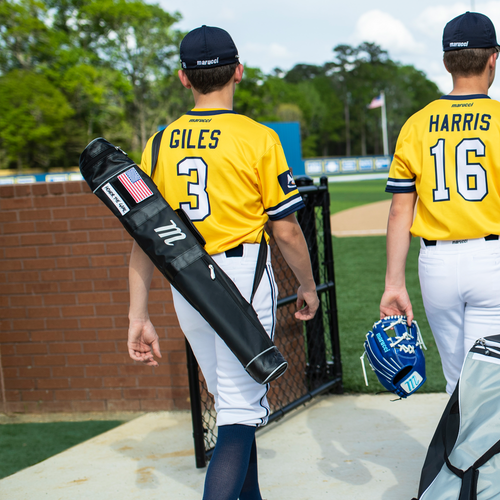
<point>311,348</point>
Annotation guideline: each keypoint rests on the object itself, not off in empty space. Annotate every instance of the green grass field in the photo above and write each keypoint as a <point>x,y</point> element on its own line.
<point>344,195</point>
<point>23,445</point>
<point>359,274</point>
<point>360,264</point>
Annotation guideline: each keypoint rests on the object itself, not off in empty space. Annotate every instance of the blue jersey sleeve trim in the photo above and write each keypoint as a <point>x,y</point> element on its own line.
<point>400,185</point>
<point>390,189</point>
<point>285,208</point>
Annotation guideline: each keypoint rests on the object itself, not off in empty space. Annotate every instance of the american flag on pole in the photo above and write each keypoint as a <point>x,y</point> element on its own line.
<point>134,184</point>
<point>377,102</point>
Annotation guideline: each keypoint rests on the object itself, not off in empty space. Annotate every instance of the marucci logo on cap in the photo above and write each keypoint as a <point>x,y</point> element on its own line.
<point>459,44</point>
<point>208,63</point>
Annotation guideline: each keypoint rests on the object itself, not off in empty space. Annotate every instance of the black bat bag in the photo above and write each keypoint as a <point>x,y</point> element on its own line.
<point>176,249</point>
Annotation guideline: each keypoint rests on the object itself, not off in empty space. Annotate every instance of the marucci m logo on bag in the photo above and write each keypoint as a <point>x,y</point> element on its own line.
<point>117,200</point>
<point>170,233</point>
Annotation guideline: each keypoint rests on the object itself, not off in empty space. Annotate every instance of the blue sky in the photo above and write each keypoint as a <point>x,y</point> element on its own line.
<point>282,33</point>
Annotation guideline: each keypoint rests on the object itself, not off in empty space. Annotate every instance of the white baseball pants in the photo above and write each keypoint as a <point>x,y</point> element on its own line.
<point>460,283</point>
<point>238,398</point>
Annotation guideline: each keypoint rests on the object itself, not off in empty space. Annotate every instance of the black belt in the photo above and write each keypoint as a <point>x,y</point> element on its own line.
<point>432,243</point>
<point>235,252</point>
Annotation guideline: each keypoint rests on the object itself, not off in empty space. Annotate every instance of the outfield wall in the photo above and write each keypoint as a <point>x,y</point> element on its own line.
<point>64,304</point>
<point>350,165</point>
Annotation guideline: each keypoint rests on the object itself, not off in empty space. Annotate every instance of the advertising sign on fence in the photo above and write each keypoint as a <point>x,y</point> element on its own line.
<point>317,167</point>
<point>32,178</point>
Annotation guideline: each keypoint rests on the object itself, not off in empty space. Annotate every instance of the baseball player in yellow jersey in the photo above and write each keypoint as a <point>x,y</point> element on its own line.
<point>448,157</point>
<point>229,174</point>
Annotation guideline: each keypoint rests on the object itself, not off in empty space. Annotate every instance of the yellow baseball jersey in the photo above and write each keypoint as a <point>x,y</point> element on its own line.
<point>227,172</point>
<point>449,153</point>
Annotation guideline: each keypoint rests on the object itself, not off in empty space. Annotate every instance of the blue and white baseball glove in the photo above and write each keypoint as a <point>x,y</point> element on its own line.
<point>394,351</point>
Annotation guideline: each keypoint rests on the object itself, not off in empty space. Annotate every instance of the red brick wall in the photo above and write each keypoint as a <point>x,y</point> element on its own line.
<point>64,304</point>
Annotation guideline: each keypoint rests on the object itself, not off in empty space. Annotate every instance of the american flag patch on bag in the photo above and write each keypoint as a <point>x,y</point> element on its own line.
<point>134,184</point>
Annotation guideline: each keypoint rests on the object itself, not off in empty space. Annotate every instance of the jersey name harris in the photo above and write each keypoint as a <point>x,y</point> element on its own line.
<point>194,138</point>
<point>458,122</point>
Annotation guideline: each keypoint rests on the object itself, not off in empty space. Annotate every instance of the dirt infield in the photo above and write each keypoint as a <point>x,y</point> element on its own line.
<point>366,220</point>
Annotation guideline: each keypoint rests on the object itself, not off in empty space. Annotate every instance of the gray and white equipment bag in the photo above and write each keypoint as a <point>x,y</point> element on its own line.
<point>463,460</point>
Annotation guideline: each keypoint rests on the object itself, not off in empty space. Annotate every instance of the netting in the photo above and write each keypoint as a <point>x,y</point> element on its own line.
<point>311,348</point>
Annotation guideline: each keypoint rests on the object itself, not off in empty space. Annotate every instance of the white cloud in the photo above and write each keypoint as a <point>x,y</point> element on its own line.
<point>227,14</point>
<point>278,50</point>
<point>273,53</point>
<point>265,50</point>
<point>432,20</point>
<point>289,33</point>
<point>492,10</point>
<point>430,24</point>
<point>388,32</point>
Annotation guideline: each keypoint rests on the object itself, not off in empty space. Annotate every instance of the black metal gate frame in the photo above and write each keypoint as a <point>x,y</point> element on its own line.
<point>323,370</point>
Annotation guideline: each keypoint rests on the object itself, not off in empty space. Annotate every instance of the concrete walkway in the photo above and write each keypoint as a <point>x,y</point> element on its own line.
<point>349,447</point>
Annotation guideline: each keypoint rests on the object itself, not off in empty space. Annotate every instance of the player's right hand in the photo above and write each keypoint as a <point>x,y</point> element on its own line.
<point>396,302</point>
<point>143,342</point>
<point>311,301</point>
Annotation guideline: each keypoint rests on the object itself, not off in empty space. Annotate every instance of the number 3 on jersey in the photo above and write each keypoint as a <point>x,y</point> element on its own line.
<point>472,182</point>
<point>201,209</point>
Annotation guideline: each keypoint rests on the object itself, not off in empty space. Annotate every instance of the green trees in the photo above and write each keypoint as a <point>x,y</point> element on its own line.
<point>330,101</point>
<point>85,68</point>
<point>406,91</point>
<point>137,40</point>
<point>333,98</point>
<point>33,116</point>
<point>73,70</point>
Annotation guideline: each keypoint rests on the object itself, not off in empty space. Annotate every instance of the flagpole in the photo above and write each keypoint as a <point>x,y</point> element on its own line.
<point>384,125</point>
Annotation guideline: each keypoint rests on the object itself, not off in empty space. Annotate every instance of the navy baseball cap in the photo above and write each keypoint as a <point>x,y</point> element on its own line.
<point>469,31</point>
<point>207,47</point>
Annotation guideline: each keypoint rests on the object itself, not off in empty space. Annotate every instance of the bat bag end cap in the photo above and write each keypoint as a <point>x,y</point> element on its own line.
<point>267,366</point>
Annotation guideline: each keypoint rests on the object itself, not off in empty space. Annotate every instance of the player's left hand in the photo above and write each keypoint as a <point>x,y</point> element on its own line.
<point>143,342</point>
<point>307,304</point>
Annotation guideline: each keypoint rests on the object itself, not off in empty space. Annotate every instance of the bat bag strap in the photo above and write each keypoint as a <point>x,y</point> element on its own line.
<point>469,477</point>
<point>262,257</point>
<point>261,265</point>
<point>155,151</point>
